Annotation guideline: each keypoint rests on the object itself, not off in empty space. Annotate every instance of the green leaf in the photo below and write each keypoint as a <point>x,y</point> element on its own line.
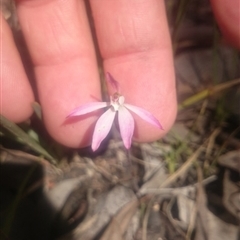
<point>207,92</point>
<point>25,138</point>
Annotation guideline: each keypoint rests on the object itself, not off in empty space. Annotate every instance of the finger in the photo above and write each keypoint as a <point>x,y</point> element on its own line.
<point>15,92</point>
<point>62,51</point>
<point>135,45</point>
<point>228,18</point>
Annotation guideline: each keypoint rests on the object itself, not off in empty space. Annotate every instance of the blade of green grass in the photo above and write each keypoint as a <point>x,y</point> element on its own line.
<point>207,92</point>
<point>37,110</point>
<point>25,138</point>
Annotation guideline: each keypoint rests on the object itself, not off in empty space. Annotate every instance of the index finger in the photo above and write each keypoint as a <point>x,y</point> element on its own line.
<point>60,43</point>
<point>136,48</point>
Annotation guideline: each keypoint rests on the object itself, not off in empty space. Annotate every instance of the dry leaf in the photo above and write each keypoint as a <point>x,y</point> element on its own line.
<point>119,224</point>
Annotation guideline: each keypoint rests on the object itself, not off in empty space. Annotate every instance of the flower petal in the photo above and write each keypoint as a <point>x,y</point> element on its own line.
<point>145,115</point>
<point>102,128</point>
<point>112,81</point>
<point>87,108</point>
<point>126,125</point>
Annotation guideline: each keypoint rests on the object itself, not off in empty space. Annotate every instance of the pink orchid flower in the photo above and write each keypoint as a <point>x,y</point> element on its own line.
<point>105,121</point>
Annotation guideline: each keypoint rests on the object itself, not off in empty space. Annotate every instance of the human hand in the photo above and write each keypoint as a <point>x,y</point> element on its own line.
<point>136,49</point>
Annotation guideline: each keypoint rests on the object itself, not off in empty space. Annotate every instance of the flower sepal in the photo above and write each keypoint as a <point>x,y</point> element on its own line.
<point>125,119</point>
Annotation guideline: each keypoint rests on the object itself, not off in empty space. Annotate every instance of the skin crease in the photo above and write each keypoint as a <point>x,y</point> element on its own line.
<point>59,41</point>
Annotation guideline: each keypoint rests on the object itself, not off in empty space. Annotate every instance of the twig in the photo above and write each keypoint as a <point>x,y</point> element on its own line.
<point>183,168</point>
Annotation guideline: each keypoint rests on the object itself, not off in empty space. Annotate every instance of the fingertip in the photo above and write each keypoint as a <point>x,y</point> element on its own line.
<point>228,18</point>
<point>164,110</point>
<point>63,89</point>
<point>73,134</point>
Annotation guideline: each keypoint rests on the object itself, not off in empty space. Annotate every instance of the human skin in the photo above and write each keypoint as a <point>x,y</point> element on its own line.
<point>227,14</point>
<point>134,42</point>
